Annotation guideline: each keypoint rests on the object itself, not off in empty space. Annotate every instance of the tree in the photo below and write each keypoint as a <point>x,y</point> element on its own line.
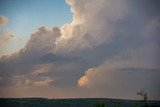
<point>143,93</point>
<point>100,104</point>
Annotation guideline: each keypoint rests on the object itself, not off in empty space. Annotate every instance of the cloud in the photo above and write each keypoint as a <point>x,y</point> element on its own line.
<point>5,36</point>
<point>109,50</point>
<point>90,28</point>
<point>5,39</point>
<point>26,60</point>
<point>3,20</point>
<point>121,74</point>
<point>39,69</point>
<point>122,83</point>
<point>45,82</point>
<point>84,80</point>
<point>36,83</point>
<point>42,41</point>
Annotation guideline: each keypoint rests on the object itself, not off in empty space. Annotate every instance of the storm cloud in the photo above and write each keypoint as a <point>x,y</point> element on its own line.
<point>109,49</point>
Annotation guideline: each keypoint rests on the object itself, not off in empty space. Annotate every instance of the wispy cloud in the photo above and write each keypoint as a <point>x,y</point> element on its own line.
<point>5,36</point>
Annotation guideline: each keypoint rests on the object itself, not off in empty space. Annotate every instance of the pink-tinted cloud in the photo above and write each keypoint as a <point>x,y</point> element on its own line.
<point>3,20</point>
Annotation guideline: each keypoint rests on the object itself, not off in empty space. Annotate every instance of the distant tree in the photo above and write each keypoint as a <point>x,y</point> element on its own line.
<point>136,105</point>
<point>118,104</point>
<point>100,104</point>
<point>143,93</point>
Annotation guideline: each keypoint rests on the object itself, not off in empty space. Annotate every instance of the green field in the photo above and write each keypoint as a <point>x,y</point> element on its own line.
<point>78,102</point>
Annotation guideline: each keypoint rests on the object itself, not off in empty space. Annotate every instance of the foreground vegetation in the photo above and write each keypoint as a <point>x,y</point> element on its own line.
<point>79,102</point>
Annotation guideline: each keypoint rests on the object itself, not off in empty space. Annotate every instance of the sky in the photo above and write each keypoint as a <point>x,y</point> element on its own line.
<point>79,48</point>
<point>24,17</point>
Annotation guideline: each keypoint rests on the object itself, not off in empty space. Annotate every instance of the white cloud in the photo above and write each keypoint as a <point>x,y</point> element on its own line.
<point>92,24</point>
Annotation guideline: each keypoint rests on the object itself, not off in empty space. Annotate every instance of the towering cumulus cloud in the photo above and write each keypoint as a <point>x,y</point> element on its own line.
<point>110,49</point>
<point>92,24</point>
